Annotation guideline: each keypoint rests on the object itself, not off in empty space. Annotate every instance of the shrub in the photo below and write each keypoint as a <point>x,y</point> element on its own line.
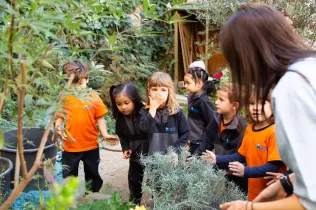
<point>197,186</point>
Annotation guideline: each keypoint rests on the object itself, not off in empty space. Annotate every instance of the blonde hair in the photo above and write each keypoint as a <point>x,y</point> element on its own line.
<point>162,79</point>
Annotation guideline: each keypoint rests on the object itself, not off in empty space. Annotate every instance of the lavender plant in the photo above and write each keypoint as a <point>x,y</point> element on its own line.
<point>195,186</point>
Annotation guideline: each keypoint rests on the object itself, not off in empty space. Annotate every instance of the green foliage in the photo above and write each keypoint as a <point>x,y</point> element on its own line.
<point>194,186</point>
<point>63,196</point>
<point>110,122</point>
<point>213,14</point>
<point>114,203</point>
<point>302,14</point>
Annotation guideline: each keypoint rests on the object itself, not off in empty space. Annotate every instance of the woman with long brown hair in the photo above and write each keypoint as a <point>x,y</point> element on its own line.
<point>263,51</point>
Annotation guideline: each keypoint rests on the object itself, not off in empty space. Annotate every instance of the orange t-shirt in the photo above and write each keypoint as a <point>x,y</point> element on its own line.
<point>259,147</point>
<point>80,116</point>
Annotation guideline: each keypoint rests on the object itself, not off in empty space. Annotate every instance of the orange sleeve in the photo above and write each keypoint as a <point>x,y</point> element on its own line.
<point>273,153</point>
<point>61,113</point>
<point>243,148</point>
<point>100,108</point>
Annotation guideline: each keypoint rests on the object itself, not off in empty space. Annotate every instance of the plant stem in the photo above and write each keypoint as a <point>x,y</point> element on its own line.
<point>21,93</point>
<point>10,61</point>
<point>17,170</point>
<point>17,190</point>
<point>5,93</point>
<point>10,45</point>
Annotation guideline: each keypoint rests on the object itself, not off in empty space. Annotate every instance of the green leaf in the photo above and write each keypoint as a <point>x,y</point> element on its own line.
<point>152,9</point>
<point>47,65</point>
<point>145,6</point>
<point>1,139</point>
<point>28,100</point>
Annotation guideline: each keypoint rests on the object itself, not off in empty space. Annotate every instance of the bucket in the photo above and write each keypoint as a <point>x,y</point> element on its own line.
<point>6,167</point>
<point>32,139</point>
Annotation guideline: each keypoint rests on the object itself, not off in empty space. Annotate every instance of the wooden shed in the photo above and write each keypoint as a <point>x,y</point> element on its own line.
<point>190,38</point>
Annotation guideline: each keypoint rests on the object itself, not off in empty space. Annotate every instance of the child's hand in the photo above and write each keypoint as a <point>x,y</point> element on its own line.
<point>273,176</point>
<point>237,168</point>
<point>111,139</point>
<point>155,102</point>
<point>60,132</point>
<point>175,160</point>
<point>208,155</point>
<point>189,160</point>
<point>127,154</point>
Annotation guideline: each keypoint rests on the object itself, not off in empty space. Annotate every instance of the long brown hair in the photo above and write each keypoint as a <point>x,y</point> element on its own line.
<point>259,44</point>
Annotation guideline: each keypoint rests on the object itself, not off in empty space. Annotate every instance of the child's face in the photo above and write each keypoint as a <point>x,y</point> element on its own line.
<point>190,85</point>
<point>255,109</point>
<point>82,84</point>
<point>159,93</point>
<point>124,104</point>
<point>223,104</point>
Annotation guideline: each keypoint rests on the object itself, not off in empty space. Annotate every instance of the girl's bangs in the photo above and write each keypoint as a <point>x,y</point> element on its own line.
<point>159,81</point>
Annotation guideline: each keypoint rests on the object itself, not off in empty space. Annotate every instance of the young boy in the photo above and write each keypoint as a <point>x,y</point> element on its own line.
<point>81,115</point>
<point>226,131</point>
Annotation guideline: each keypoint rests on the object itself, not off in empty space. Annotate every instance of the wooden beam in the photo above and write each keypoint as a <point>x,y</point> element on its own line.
<point>176,52</point>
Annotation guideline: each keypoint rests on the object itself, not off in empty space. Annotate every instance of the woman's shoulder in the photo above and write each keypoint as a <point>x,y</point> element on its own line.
<point>302,69</point>
<point>298,80</point>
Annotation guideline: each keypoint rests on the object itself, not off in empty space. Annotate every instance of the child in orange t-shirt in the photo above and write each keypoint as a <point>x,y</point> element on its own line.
<point>81,116</point>
<point>258,149</point>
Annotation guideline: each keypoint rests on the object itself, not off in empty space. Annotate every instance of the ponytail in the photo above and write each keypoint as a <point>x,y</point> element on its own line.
<point>115,111</point>
<point>209,87</point>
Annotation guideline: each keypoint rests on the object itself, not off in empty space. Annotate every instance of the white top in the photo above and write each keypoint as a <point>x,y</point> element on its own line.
<point>294,104</point>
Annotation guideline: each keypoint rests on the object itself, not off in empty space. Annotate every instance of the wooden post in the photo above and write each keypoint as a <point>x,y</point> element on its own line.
<point>176,52</point>
<point>206,42</point>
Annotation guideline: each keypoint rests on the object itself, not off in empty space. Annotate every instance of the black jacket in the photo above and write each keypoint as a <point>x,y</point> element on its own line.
<point>225,143</point>
<point>200,113</point>
<point>131,136</point>
<point>165,130</point>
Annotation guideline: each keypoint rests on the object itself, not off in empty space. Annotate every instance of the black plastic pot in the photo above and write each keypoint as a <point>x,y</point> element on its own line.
<point>6,167</point>
<point>32,139</point>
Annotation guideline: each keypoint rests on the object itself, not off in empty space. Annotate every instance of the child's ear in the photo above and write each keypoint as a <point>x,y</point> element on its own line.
<point>236,105</point>
<point>200,83</point>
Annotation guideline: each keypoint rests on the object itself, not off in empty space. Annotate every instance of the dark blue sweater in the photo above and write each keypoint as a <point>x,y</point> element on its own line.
<point>222,161</point>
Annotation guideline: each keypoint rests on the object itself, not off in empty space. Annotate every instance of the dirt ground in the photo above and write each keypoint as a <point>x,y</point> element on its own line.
<point>113,170</point>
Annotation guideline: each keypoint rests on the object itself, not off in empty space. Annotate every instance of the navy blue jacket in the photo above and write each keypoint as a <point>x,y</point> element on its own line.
<point>165,130</point>
<point>131,136</point>
<point>200,113</point>
<point>225,143</point>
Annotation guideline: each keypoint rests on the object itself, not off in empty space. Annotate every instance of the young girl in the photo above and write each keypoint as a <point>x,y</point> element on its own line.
<point>200,109</point>
<point>162,119</point>
<point>258,149</point>
<point>126,104</point>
